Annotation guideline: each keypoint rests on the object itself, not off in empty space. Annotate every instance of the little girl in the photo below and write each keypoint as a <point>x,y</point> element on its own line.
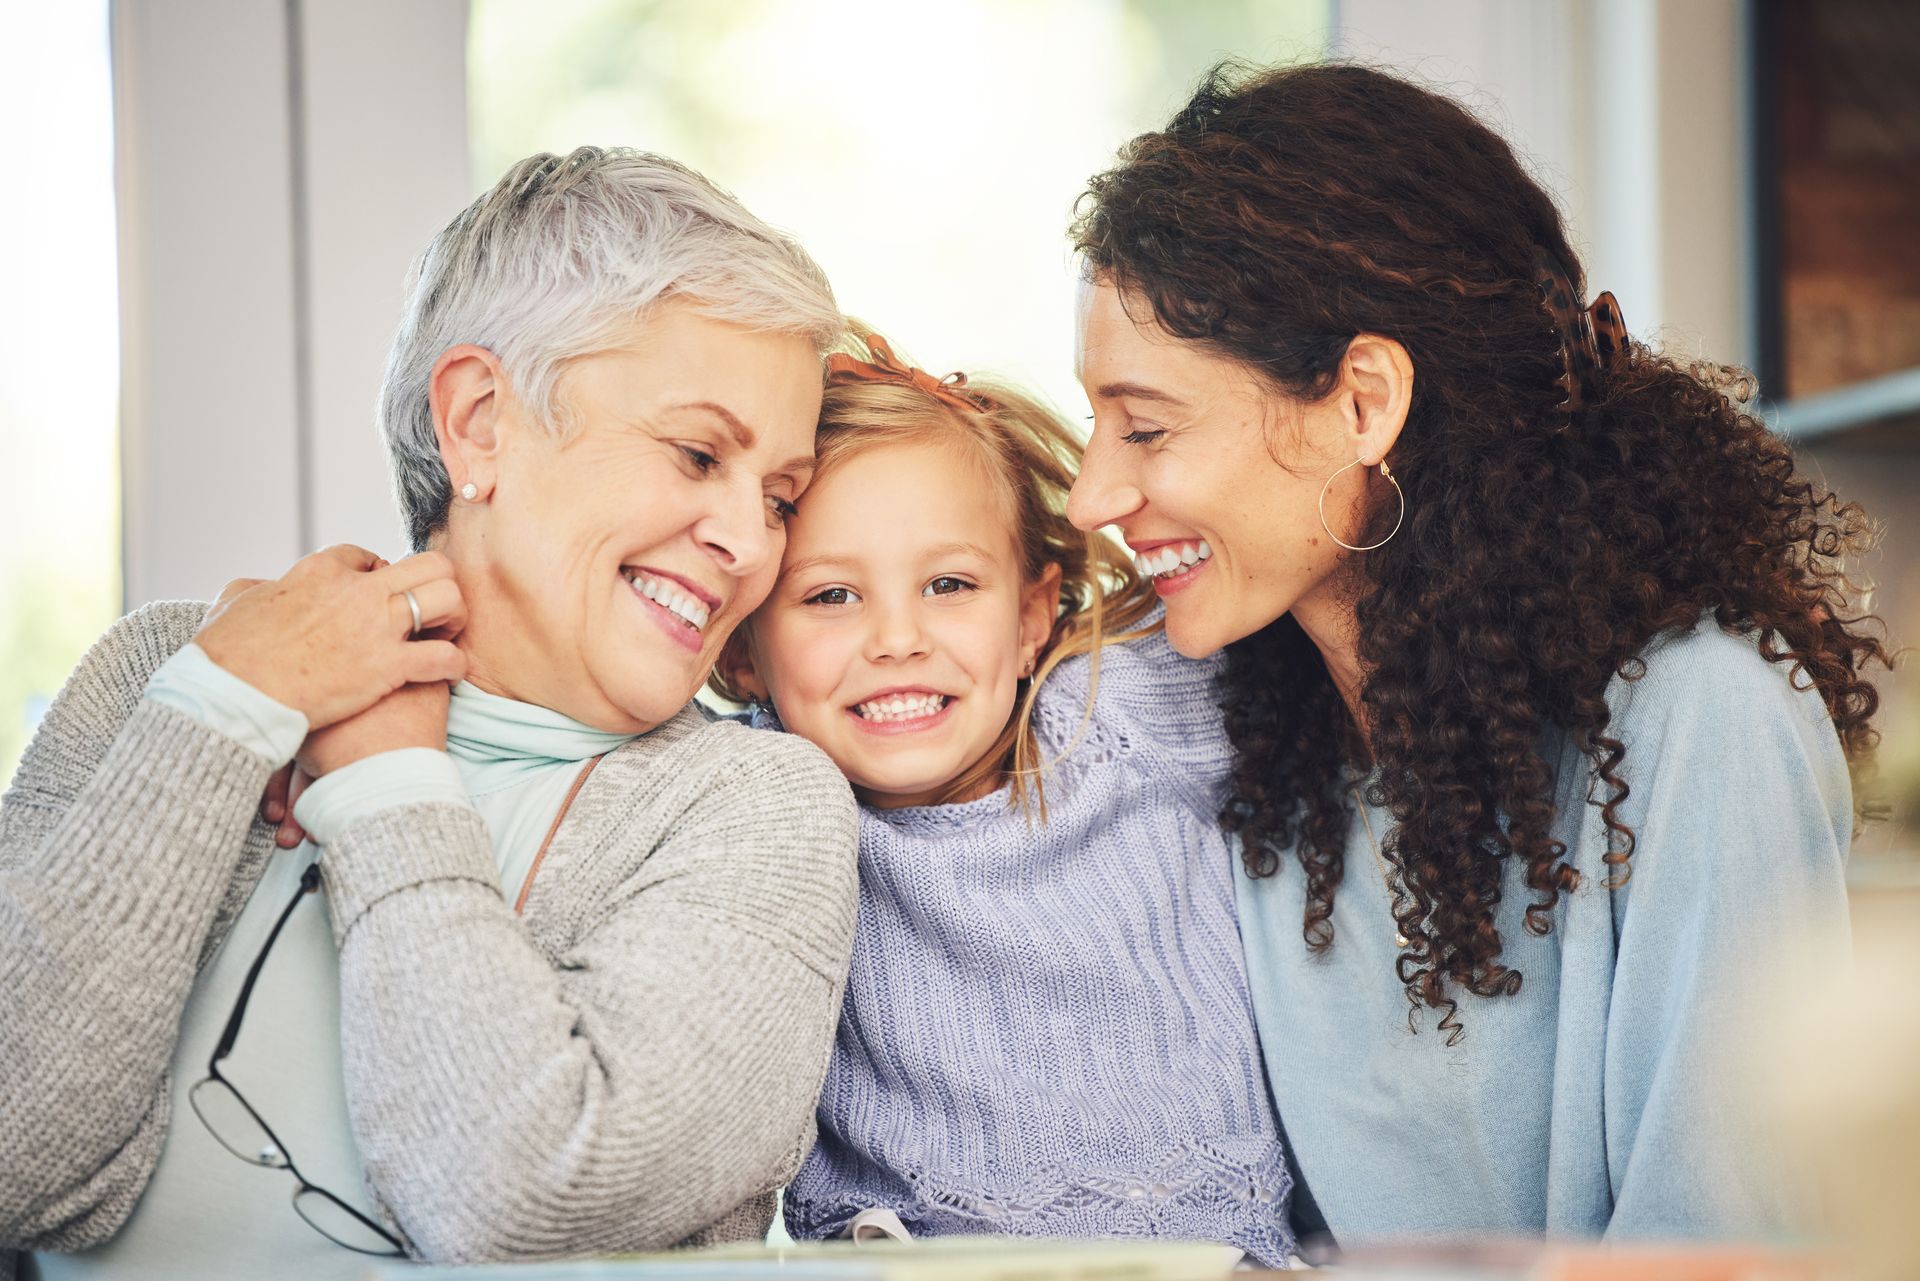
<point>1047,1029</point>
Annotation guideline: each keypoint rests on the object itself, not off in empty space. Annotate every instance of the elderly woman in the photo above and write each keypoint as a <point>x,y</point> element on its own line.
<point>1543,673</point>
<point>572,984</point>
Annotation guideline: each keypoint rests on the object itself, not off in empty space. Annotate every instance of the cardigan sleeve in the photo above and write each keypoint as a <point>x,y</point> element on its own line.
<point>1742,810</point>
<point>656,1075</point>
<point>122,842</point>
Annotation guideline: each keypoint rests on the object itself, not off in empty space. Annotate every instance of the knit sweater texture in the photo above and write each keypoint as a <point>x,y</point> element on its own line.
<point>1047,1029</point>
<point>1617,1093</point>
<point>629,1064</point>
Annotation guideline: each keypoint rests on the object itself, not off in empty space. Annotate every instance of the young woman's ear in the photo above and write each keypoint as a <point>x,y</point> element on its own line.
<point>736,668</point>
<point>1376,383</point>
<point>1039,610</point>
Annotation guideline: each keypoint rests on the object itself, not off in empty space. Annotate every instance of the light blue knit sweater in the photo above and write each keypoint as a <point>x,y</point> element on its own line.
<point>1613,1095</point>
<point>1047,1028</point>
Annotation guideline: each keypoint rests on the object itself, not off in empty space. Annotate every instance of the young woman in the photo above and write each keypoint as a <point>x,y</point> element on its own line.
<point>1543,676</point>
<point>1047,1030</point>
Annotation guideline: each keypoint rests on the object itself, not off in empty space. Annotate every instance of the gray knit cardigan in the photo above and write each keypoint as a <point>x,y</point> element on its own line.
<point>663,1010</point>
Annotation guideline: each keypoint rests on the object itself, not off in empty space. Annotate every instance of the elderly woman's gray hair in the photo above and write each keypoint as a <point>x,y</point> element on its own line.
<point>554,263</point>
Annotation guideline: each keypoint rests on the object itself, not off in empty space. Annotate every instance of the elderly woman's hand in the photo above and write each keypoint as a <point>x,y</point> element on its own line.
<point>411,716</point>
<point>335,634</point>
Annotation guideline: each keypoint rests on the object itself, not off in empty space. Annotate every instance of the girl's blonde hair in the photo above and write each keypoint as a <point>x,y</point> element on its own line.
<point>1033,455</point>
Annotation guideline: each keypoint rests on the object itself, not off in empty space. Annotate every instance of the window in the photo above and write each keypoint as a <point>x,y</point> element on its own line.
<point>928,156</point>
<point>59,359</point>
<point>1837,191</point>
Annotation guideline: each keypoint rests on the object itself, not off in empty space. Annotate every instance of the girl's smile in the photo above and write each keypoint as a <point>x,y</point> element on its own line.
<point>906,710</point>
<point>897,634</point>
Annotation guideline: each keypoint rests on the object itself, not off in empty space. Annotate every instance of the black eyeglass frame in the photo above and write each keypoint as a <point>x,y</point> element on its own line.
<point>309,883</point>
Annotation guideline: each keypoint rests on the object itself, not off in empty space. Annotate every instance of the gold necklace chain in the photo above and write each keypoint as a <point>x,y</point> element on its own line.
<point>1360,803</point>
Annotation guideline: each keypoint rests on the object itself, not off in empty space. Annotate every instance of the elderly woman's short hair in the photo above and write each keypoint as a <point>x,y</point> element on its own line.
<point>556,262</point>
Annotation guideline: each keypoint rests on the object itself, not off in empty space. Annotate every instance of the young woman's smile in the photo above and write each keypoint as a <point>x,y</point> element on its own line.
<point>1171,564</point>
<point>1184,460</point>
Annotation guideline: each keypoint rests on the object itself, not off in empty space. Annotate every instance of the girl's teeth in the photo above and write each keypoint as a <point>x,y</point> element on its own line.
<point>902,707</point>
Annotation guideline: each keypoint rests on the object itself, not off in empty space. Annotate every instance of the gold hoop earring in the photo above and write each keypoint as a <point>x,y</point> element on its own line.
<point>1396,521</point>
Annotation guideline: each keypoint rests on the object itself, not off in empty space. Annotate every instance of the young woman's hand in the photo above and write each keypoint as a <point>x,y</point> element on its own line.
<point>335,635</point>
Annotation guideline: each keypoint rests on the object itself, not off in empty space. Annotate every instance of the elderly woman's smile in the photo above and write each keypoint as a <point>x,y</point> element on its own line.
<point>606,559</point>
<point>682,607</point>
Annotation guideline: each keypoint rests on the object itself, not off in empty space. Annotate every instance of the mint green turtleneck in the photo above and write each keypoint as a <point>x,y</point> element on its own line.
<point>512,761</point>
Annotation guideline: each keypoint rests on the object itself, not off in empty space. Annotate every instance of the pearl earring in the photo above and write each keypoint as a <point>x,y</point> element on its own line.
<point>469,491</point>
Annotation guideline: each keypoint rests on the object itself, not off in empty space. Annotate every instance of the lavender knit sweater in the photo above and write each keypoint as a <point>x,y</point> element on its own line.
<point>1047,1028</point>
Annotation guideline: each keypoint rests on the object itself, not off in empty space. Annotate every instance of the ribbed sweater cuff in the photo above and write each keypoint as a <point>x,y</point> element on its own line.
<point>400,849</point>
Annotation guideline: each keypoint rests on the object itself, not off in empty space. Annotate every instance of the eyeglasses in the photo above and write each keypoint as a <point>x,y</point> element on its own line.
<point>238,1128</point>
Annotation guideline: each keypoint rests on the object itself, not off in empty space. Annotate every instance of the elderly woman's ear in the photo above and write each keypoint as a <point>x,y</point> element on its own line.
<point>468,393</point>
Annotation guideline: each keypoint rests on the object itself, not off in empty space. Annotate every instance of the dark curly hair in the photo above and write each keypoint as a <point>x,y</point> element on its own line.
<point>1277,216</point>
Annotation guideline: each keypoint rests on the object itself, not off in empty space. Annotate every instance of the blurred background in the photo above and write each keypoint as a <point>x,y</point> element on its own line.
<point>212,205</point>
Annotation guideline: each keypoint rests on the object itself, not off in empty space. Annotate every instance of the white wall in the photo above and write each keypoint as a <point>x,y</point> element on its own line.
<point>278,166</point>
<point>208,408</point>
<point>386,130</point>
<point>1633,114</point>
